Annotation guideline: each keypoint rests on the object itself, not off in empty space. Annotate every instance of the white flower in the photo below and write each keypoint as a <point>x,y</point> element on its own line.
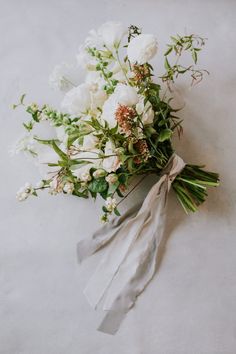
<point>90,141</point>
<point>111,163</point>
<point>78,100</point>
<point>147,113</point>
<point>25,144</point>
<point>126,95</point>
<point>109,109</point>
<point>85,60</point>
<point>82,171</point>
<point>93,40</point>
<point>112,33</point>
<point>111,204</point>
<point>118,72</point>
<point>61,134</point>
<point>24,192</point>
<point>123,95</point>
<point>85,177</point>
<point>142,48</point>
<point>98,97</point>
<point>111,178</point>
<point>95,80</point>
<point>64,76</point>
<point>68,187</point>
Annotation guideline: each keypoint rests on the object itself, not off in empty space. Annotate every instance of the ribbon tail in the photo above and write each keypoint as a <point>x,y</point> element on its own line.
<point>138,269</point>
<point>111,262</point>
<point>104,235</point>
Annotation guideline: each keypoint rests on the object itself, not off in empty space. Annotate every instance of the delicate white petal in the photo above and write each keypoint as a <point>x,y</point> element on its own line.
<point>142,48</point>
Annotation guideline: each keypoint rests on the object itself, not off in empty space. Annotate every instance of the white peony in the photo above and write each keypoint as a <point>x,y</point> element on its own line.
<point>112,33</point>
<point>142,48</point>
<point>146,112</point>
<point>126,95</point>
<point>112,163</point>
<point>78,100</point>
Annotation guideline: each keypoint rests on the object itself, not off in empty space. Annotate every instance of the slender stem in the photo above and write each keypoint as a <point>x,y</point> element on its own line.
<point>121,66</point>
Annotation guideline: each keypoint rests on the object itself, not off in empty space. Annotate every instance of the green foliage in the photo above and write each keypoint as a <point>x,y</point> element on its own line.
<point>98,185</point>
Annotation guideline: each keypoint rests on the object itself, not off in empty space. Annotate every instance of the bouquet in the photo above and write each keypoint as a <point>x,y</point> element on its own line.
<point>116,125</point>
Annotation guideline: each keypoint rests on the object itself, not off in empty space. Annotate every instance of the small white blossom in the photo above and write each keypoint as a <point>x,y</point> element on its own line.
<point>111,204</point>
<point>26,144</point>
<point>85,177</point>
<point>24,192</point>
<point>34,107</point>
<point>112,178</point>
<point>68,187</point>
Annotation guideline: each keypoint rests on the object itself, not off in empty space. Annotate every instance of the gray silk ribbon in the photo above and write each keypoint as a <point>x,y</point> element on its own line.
<point>131,258</point>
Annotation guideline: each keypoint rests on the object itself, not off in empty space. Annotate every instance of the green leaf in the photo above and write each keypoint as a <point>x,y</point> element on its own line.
<point>98,185</point>
<point>112,187</point>
<point>167,64</point>
<point>194,56</point>
<point>169,50</point>
<point>22,98</point>
<point>116,211</point>
<point>55,147</point>
<point>165,135</point>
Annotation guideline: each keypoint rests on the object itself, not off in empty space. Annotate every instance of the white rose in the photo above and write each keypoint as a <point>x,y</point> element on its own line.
<point>146,113</point>
<point>126,95</point>
<point>90,141</point>
<point>112,163</point>
<point>142,48</point>
<point>112,33</point>
<point>78,100</point>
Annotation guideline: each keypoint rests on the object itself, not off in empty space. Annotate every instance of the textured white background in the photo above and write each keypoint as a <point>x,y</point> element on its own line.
<point>190,306</point>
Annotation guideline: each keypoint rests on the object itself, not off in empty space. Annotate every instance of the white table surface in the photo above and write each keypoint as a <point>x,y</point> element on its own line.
<point>190,306</point>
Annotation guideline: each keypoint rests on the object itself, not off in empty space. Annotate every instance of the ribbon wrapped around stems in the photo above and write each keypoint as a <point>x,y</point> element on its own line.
<point>131,258</point>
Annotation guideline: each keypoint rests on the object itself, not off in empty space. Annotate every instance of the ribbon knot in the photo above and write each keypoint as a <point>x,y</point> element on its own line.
<point>131,258</point>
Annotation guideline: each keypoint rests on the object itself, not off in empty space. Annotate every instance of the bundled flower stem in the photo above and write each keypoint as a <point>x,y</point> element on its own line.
<point>116,124</point>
